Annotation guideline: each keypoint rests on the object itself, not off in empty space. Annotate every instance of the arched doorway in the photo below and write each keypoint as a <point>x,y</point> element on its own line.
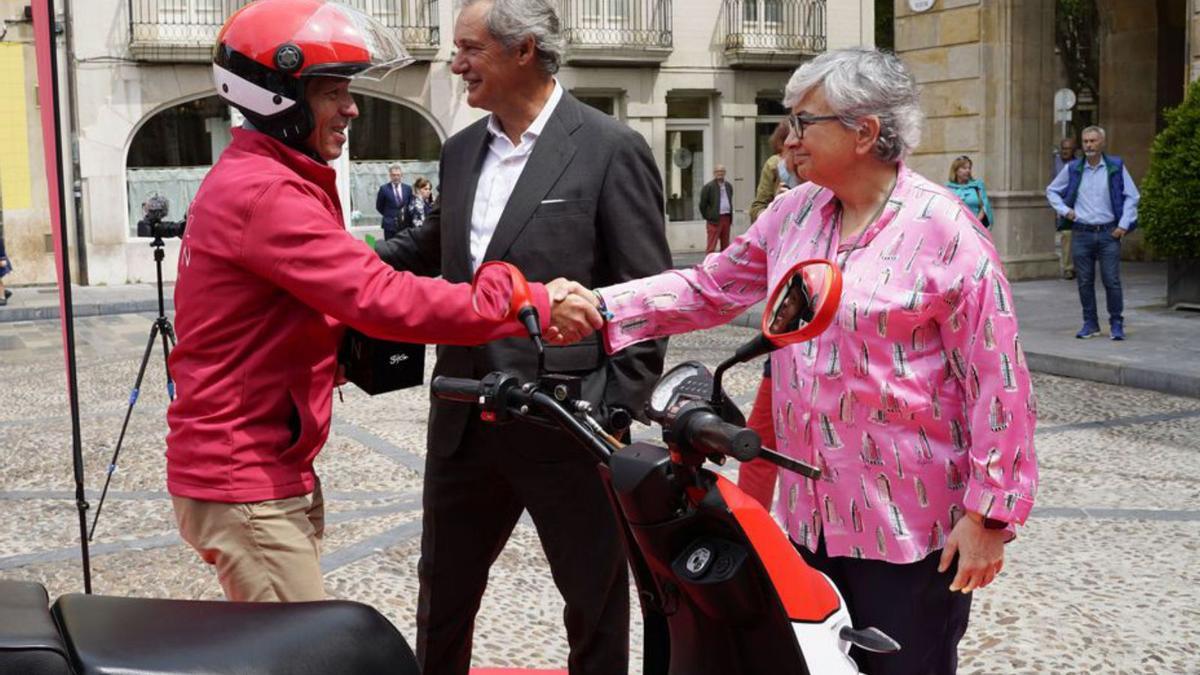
<point>387,132</point>
<point>172,152</point>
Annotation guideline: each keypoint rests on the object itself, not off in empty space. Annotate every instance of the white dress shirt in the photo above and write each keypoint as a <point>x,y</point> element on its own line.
<point>502,168</point>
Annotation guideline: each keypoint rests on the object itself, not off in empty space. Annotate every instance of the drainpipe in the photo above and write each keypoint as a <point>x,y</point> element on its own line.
<point>73,135</point>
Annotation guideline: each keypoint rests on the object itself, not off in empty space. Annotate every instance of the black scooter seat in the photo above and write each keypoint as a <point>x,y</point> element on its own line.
<point>109,635</point>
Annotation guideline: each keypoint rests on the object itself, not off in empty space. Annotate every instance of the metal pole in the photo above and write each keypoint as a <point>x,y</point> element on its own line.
<point>44,40</point>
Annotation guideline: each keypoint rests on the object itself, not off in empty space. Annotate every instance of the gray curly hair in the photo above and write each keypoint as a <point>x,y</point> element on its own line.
<point>859,82</point>
<point>511,21</point>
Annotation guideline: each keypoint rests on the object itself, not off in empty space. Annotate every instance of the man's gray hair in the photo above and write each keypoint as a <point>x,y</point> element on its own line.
<point>1096,129</point>
<point>511,21</point>
<point>395,166</point>
<point>858,82</point>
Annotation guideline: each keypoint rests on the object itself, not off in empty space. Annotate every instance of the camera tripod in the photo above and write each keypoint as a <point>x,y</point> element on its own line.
<point>161,329</point>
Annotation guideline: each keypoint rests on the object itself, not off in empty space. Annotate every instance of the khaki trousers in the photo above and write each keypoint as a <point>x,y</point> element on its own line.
<point>263,551</point>
<point>1066,260</point>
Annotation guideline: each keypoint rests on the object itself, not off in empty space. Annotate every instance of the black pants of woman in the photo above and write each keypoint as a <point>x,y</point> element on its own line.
<point>912,603</point>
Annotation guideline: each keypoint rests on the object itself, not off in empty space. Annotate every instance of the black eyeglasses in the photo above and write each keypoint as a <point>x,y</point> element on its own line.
<point>798,123</point>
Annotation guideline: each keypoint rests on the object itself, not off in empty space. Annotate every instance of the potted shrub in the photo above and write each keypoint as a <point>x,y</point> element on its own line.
<point>1169,212</point>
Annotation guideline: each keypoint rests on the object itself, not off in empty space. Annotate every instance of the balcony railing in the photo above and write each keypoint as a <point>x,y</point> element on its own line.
<point>773,33</point>
<point>616,31</point>
<point>185,30</point>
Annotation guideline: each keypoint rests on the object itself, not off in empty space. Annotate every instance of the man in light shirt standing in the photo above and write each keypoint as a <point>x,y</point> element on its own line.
<point>1097,195</point>
<point>558,189</point>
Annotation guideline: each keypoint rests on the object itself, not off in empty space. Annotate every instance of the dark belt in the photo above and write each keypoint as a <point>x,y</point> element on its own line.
<point>1084,227</point>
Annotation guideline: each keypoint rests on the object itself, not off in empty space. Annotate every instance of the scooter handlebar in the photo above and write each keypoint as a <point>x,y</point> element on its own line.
<point>457,389</point>
<point>708,433</point>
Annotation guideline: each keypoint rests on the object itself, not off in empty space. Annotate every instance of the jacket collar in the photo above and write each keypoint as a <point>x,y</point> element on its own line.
<point>311,170</point>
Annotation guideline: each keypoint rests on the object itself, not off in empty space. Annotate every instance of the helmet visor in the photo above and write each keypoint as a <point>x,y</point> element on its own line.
<point>341,41</point>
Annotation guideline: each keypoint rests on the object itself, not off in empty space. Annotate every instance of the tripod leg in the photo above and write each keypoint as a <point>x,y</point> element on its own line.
<point>133,397</point>
<point>168,341</point>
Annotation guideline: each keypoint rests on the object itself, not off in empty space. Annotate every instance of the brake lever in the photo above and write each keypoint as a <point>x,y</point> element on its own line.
<point>793,465</point>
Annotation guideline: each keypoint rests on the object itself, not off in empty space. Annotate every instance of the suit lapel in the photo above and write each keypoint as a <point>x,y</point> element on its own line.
<point>456,220</point>
<point>551,154</point>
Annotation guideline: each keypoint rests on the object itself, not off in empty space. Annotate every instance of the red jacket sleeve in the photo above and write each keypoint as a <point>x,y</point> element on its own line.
<point>294,240</point>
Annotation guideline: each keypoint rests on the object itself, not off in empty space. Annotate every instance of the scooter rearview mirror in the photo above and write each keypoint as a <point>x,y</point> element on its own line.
<point>800,306</point>
<point>803,303</point>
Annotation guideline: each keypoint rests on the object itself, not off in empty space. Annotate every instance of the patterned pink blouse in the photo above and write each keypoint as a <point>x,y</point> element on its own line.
<point>916,403</point>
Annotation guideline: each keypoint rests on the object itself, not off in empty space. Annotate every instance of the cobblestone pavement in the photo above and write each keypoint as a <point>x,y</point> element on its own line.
<point>1105,578</point>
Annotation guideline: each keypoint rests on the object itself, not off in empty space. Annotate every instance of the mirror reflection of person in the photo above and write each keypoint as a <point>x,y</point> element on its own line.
<point>268,279</point>
<point>795,307</point>
<point>910,348</point>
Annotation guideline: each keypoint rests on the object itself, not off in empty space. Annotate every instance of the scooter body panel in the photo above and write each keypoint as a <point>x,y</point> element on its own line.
<point>700,569</point>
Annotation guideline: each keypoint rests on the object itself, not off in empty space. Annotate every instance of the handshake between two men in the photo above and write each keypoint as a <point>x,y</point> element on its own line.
<point>575,312</point>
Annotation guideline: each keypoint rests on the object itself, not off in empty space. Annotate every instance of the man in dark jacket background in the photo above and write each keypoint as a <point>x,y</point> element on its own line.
<point>716,207</point>
<point>392,202</point>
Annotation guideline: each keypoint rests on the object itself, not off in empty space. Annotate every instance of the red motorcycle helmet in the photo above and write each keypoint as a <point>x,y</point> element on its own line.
<point>267,49</point>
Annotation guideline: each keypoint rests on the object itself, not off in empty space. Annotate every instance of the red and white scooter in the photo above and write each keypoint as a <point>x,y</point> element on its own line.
<point>722,588</point>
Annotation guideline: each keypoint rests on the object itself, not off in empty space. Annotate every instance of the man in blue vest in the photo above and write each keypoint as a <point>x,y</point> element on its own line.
<point>1097,197</point>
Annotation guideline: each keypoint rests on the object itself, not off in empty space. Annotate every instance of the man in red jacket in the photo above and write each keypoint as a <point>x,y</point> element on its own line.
<point>267,275</point>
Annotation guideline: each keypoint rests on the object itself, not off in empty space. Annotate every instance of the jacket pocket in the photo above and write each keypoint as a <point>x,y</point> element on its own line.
<point>552,208</point>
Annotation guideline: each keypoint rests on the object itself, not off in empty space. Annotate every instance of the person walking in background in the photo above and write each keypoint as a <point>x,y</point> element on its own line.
<point>970,190</point>
<point>775,178</point>
<point>1097,196</point>
<point>393,200</point>
<point>421,203</point>
<point>1064,156</point>
<point>716,207</point>
<point>5,268</point>
<point>557,188</point>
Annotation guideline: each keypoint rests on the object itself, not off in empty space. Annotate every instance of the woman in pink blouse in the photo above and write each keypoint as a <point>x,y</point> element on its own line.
<point>916,404</point>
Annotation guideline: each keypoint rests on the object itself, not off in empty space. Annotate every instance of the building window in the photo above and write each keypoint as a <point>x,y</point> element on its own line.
<point>603,103</point>
<point>688,107</point>
<point>762,15</point>
<point>771,112</point>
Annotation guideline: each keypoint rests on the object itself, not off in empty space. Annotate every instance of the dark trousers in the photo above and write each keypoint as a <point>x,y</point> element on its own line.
<point>1090,245</point>
<point>912,603</point>
<point>718,232</point>
<point>472,501</point>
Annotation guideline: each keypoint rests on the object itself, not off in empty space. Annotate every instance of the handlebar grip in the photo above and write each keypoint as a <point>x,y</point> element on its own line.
<point>706,431</point>
<point>457,389</point>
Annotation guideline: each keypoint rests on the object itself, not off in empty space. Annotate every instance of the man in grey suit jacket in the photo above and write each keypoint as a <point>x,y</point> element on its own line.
<point>560,190</point>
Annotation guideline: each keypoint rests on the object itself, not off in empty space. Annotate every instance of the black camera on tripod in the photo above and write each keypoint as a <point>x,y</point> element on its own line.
<point>152,224</point>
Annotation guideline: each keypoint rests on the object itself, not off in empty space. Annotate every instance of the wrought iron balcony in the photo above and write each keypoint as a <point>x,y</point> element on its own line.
<point>773,33</point>
<point>185,30</point>
<point>629,32</point>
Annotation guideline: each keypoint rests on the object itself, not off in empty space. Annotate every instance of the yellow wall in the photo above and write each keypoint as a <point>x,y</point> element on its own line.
<point>14,128</point>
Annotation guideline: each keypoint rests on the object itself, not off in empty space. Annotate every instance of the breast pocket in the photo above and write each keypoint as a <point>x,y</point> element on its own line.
<point>564,208</point>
